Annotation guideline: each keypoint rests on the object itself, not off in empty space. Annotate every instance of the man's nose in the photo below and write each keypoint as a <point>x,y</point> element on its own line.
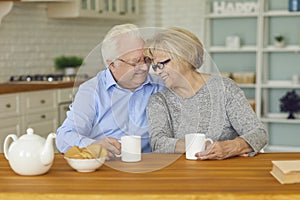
<point>142,66</point>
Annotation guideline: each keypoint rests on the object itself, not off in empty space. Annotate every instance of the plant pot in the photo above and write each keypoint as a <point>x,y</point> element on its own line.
<point>291,115</point>
<point>70,71</point>
<point>279,44</point>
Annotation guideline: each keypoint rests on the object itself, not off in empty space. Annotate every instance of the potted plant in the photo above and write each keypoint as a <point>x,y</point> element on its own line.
<point>279,41</point>
<point>290,103</point>
<point>68,64</point>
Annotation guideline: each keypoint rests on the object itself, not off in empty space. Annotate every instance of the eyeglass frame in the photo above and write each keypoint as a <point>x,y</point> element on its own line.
<point>146,60</point>
<point>160,65</point>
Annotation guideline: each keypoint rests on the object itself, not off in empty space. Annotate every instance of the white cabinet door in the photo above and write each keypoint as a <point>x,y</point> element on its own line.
<point>9,105</point>
<point>41,100</point>
<point>9,126</point>
<point>65,95</point>
<point>40,111</point>
<point>109,9</point>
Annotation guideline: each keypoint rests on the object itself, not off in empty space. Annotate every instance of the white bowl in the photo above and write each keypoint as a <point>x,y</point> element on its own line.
<point>85,165</point>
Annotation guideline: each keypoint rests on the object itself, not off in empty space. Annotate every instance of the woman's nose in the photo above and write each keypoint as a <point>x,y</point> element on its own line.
<point>158,71</point>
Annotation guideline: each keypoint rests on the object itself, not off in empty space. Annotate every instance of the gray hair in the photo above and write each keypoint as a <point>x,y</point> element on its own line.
<point>180,44</point>
<point>113,40</point>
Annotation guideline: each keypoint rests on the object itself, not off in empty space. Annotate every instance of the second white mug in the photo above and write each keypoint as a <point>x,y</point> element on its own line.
<point>131,148</point>
<point>195,142</point>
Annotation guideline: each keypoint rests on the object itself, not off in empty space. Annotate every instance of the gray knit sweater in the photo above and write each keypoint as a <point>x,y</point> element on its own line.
<point>219,109</point>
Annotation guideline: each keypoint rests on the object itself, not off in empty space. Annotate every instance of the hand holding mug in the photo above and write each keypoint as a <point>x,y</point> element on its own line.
<point>194,143</point>
<point>112,145</point>
<point>224,149</point>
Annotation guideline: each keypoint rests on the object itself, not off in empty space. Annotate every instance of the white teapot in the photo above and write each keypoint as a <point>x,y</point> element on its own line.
<point>30,154</point>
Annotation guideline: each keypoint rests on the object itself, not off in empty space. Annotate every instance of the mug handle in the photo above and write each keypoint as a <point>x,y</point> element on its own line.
<point>119,155</point>
<point>208,140</point>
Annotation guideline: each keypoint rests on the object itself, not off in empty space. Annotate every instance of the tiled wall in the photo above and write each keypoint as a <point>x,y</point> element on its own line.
<point>29,40</point>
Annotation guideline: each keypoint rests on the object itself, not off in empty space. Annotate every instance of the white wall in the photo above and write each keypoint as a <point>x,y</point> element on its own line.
<point>29,40</point>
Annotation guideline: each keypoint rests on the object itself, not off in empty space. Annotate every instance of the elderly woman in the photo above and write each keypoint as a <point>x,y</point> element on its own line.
<point>197,102</point>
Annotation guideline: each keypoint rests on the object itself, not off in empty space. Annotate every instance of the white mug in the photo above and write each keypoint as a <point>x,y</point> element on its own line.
<point>195,142</point>
<point>131,148</point>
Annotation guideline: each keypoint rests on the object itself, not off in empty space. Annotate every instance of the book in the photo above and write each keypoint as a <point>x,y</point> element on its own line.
<point>286,171</point>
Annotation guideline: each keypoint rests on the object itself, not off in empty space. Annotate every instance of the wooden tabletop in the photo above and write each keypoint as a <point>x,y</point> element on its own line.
<point>157,176</point>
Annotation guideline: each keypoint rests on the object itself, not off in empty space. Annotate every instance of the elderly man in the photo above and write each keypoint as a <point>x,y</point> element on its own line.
<point>113,103</point>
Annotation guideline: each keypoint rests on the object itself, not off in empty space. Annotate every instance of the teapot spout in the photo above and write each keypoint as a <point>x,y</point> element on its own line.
<point>47,153</point>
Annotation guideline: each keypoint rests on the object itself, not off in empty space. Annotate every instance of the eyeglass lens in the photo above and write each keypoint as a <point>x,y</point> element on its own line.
<point>160,65</point>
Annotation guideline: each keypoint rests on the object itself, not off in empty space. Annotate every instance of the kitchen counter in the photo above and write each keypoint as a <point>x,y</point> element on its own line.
<point>14,87</point>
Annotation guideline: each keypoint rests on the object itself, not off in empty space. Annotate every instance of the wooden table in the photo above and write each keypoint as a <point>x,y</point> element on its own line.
<point>236,178</point>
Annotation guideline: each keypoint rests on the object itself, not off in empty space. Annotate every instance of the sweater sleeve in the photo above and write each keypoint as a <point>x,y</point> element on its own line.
<point>161,135</point>
<point>243,119</point>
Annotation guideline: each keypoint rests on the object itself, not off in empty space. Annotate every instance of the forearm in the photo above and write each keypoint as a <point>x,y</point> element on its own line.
<point>66,138</point>
<point>239,146</point>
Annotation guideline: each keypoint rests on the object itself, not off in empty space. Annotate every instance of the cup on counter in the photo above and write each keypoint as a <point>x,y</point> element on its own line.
<point>295,79</point>
<point>131,148</point>
<point>195,142</point>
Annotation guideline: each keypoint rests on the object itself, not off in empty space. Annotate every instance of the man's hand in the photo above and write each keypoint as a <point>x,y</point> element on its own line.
<point>112,145</point>
<point>224,149</point>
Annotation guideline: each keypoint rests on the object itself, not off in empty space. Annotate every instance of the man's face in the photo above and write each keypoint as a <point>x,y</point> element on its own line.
<point>129,69</point>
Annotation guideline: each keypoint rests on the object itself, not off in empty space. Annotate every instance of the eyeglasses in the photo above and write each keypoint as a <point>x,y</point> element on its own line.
<point>160,65</point>
<point>145,60</point>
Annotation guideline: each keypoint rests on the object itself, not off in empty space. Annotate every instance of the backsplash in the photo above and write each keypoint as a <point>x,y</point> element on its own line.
<point>29,40</point>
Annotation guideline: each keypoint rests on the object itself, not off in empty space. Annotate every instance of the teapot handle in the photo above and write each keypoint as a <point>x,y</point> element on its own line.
<point>6,143</point>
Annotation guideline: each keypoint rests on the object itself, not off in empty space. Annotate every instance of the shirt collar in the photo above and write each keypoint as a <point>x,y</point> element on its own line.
<point>110,81</point>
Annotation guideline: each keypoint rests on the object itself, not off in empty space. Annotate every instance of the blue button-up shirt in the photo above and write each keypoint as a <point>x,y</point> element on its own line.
<point>102,108</point>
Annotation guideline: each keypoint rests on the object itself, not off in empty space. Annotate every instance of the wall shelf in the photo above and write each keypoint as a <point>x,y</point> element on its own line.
<point>274,67</point>
<point>233,15</point>
<point>280,13</point>
<point>220,49</point>
<point>288,48</point>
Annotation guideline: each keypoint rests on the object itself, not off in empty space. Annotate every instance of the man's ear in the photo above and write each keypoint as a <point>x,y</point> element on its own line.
<point>108,62</point>
<point>112,66</point>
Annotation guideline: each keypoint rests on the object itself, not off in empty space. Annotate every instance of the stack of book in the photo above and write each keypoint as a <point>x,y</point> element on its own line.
<point>286,171</point>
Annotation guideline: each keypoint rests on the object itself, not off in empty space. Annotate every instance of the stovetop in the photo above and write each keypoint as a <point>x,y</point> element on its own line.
<point>46,77</point>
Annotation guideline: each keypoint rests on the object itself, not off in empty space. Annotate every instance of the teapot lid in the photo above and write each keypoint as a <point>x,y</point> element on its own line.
<point>30,135</point>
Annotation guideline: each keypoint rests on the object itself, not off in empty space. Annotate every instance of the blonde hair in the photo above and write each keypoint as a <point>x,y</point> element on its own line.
<point>113,40</point>
<point>181,45</point>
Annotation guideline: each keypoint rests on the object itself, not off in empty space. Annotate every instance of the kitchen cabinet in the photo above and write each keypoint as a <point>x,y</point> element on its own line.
<point>109,9</point>
<point>10,105</point>
<point>40,111</point>
<point>64,99</point>
<point>10,120</point>
<point>9,126</point>
<point>65,95</point>
<point>273,66</point>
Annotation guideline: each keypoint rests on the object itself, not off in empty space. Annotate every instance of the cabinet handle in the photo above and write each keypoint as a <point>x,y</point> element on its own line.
<point>43,116</point>
<point>8,105</point>
<point>43,101</point>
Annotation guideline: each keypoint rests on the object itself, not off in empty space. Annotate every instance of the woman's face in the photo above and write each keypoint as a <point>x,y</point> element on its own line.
<point>167,68</point>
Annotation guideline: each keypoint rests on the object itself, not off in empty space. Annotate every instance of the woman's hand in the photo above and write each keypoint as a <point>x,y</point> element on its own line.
<point>225,149</point>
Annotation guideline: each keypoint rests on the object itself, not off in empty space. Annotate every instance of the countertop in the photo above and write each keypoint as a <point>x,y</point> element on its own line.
<point>14,87</point>
<point>175,177</point>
